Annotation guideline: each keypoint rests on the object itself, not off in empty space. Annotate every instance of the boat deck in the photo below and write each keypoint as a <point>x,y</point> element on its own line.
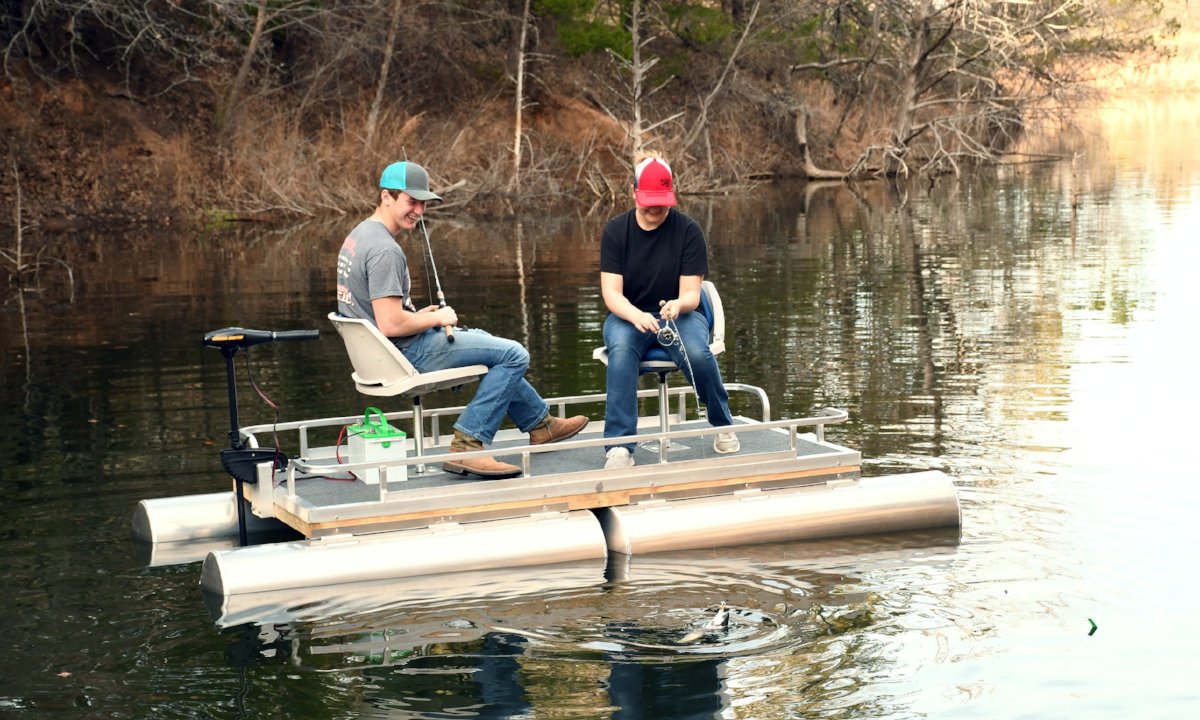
<point>320,495</point>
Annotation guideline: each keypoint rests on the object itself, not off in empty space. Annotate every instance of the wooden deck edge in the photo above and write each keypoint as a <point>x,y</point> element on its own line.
<point>578,501</point>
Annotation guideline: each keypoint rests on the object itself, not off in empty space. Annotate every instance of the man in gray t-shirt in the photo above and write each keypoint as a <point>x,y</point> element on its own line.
<point>372,246</point>
<point>373,283</point>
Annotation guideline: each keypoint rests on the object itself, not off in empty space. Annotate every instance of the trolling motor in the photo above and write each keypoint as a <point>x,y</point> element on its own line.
<point>238,459</point>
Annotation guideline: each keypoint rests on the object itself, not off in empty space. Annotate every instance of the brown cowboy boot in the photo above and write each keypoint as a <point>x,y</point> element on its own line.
<point>484,467</point>
<point>553,429</point>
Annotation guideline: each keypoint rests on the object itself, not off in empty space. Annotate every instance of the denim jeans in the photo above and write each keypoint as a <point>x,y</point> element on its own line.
<point>503,391</point>
<point>626,346</point>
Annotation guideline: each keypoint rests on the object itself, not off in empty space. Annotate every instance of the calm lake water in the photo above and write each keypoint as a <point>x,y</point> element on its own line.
<point>1042,358</point>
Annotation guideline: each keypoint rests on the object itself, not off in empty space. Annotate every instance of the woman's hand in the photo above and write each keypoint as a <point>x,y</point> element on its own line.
<point>645,322</point>
<point>670,310</point>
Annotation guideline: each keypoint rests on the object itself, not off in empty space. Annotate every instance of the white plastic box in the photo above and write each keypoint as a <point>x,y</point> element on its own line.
<point>374,440</point>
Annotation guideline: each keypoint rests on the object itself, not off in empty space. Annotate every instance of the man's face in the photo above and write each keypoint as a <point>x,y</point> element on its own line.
<point>405,211</point>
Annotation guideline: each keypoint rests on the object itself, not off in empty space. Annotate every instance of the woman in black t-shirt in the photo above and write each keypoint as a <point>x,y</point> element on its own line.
<point>652,261</point>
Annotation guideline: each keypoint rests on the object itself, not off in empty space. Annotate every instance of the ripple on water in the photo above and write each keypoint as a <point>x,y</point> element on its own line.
<point>777,600</point>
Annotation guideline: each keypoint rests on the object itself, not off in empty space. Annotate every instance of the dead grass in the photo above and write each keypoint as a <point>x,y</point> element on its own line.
<point>273,168</point>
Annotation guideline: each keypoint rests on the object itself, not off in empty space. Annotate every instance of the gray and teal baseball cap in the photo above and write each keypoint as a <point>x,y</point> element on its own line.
<point>409,177</point>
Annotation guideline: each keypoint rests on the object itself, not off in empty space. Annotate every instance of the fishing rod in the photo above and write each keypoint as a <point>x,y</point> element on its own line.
<point>441,297</point>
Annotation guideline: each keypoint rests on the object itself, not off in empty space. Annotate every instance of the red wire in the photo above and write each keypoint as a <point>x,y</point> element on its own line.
<point>337,451</point>
<point>275,432</point>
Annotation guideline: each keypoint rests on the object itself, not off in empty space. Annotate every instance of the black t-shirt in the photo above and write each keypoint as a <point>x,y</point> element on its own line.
<point>651,262</point>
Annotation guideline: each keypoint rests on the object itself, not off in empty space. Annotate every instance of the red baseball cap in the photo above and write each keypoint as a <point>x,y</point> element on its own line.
<point>652,183</point>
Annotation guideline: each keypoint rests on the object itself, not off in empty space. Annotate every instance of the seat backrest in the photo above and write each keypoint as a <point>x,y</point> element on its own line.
<point>376,360</point>
<point>710,305</point>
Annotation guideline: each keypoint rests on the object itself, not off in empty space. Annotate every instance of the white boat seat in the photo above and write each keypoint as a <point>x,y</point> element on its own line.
<point>381,370</point>
<point>657,360</point>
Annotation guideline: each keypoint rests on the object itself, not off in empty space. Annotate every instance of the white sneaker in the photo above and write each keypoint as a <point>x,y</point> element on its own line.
<point>618,457</point>
<point>726,443</point>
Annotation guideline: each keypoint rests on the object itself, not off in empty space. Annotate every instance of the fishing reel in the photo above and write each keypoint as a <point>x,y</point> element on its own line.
<point>666,334</point>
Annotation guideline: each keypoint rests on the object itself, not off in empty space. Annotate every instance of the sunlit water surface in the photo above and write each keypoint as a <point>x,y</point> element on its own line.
<point>1044,361</point>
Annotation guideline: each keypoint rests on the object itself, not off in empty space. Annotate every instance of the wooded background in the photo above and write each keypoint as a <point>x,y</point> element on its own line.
<point>162,110</point>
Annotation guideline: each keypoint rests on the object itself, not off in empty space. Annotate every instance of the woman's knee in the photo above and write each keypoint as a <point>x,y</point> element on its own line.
<point>701,355</point>
<point>623,345</point>
<point>624,357</point>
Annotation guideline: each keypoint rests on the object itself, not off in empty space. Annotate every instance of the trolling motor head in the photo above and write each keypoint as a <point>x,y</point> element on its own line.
<point>236,338</point>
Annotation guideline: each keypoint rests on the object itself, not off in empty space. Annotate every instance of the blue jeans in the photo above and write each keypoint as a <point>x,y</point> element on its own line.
<point>626,346</point>
<point>503,391</point>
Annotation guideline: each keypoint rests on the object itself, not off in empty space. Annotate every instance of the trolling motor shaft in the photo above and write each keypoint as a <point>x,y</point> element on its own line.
<point>237,459</point>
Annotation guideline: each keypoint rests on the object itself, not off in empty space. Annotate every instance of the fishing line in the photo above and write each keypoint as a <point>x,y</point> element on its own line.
<point>668,335</point>
<point>428,252</point>
<point>441,297</point>
<point>428,274</point>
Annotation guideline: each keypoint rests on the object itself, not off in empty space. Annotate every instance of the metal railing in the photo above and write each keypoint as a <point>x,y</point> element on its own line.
<point>434,415</point>
<point>306,465</point>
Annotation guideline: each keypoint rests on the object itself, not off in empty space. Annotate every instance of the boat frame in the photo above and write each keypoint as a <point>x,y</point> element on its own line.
<point>674,475</point>
<point>787,482</point>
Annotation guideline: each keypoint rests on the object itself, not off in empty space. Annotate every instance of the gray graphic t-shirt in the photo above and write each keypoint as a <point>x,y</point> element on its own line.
<point>371,265</point>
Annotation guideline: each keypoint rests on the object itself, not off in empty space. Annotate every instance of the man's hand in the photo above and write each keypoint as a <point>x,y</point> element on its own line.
<point>447,316</point>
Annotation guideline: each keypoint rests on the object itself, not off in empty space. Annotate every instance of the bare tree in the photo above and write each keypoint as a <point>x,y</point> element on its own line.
<point>963,77</point>
<point>636,69</point>
<point>229,105</point>
<point>520,100</point>
<point>909,86</point>
<point>270,17</point>
<point>701,123</point>
<point>388,50</point>
<point>20,268</point>
<point>173,41</point>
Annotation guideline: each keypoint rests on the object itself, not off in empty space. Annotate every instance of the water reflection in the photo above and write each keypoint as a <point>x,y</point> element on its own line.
<point>506,638</point>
